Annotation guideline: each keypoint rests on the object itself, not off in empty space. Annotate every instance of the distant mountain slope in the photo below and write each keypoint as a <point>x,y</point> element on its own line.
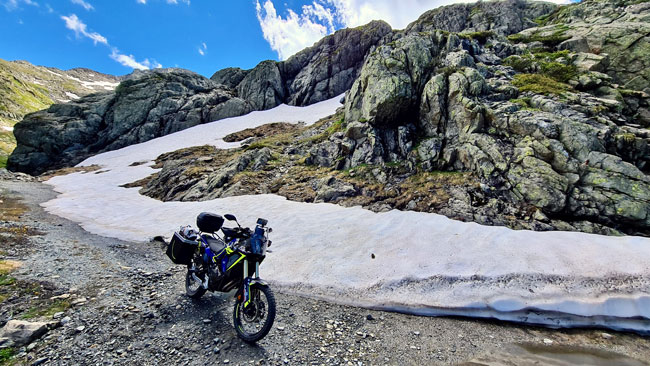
<point>26,88</point>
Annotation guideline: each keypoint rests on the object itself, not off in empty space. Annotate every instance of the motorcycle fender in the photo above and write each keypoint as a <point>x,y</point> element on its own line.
<point>259,281</point>
<point>243,293</point>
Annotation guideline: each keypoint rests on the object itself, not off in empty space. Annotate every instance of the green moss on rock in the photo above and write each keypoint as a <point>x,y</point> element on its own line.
<point>539,84</point>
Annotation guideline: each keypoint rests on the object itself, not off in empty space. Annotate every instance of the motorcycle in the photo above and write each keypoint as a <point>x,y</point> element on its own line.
<point>223,264</point>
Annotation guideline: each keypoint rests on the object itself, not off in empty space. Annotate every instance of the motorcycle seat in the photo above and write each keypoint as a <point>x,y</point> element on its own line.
<point>215,244</point>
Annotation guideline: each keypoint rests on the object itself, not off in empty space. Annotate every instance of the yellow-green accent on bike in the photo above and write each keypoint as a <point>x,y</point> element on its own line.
<point>237,261</point>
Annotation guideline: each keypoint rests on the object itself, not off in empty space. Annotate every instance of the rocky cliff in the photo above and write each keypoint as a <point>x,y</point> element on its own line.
<point>25,88</point>
<point>153,104</point>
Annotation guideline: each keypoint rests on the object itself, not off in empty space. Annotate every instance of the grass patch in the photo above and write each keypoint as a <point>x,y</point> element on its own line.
<point>559,72</point>
<point>551,40</point>
<point>547,64</point>
<point>6,280</point>
<point>539,84</point>
<point>3,161</point>
<point>523,102</point>
<point>261,131</point>
<point>481,36</point>
<point>7,266</point>
<point>46,311</point>
<point>336,127</point>
<point>6,354</point>
<point>551,56</point>
<point>519,63</point>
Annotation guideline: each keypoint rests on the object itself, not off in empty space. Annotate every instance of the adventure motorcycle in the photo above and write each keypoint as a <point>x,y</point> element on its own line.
<point>222,265</point>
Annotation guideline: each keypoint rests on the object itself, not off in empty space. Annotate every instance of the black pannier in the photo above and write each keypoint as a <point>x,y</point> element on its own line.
<point>180,250</point>
<point>209,222</point>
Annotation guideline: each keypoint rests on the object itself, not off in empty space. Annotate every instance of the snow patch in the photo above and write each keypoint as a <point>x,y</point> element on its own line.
<point>423,263</point>
<point>72,96</point>
<point>107,85</point>
<point>6,128</point>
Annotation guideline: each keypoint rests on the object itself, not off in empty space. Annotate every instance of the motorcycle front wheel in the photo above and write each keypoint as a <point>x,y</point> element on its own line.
<point>254,322</point>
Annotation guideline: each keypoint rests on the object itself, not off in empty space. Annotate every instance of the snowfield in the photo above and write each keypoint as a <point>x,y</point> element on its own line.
<point>424,263</point>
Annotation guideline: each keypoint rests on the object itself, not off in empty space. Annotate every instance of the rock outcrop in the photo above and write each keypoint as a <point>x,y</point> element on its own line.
<point>317,73</point>
<point>26,88</point>
<point>617,33</point>
<point>141,108</point>
<point>501,17</point>
<point>155,103</point>
<point>553,139</point>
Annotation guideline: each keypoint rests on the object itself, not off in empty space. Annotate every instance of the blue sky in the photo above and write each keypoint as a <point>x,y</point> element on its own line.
<point>116,36</point>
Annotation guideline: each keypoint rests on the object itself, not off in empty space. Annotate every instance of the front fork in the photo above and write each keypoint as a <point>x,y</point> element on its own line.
<point>245,292</point>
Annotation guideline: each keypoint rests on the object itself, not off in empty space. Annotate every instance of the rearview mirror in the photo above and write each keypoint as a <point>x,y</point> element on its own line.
<point>230,217</point>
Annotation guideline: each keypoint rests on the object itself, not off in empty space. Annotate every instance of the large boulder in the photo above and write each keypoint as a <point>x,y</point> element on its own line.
<point>17,333</point>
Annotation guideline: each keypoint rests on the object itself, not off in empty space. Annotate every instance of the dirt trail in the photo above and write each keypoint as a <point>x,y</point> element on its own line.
<point>135,312</point>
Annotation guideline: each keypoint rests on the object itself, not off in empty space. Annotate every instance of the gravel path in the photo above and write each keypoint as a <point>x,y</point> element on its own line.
<point>131,310</point>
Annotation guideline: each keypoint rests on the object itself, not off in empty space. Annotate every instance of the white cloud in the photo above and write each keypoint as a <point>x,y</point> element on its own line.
<point>129,61</point>
<point>141,1</point>
<point>353,13</point>
<point>203,49</point>
<point>82,3</point>
<point>11,5</point>
<point>294,32</point>
<point>72,22</point>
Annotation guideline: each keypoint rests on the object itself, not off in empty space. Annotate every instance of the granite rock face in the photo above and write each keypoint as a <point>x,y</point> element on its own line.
<point>618,31</point>
<point>428,100</point>
<point>317,73</point>
<point>141,108</point>
<point>501,17</point>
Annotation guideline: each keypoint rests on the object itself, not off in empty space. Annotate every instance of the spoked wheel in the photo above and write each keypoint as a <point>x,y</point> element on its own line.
<point>254,322</point>
<point>193,285</point>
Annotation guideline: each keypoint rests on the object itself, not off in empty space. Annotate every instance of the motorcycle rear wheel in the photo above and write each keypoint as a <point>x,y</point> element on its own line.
<point>254,322</point>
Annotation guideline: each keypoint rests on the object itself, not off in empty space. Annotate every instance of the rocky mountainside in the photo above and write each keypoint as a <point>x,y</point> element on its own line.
<point>325,70</point>
<point>26,88</point>
<point>457,114</point>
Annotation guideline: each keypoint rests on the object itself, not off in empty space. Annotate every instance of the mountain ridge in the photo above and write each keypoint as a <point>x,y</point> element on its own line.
<point>28,88</point>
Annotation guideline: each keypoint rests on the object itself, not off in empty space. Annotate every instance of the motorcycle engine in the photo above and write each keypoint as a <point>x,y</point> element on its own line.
<point>214,274</point>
